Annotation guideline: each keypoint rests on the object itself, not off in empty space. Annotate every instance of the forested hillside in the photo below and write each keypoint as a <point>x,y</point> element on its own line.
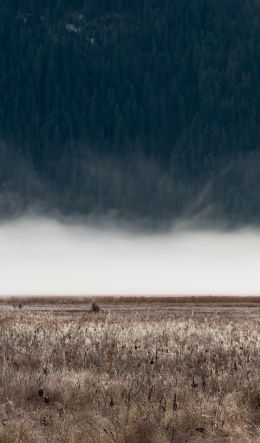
<point>144,108</point>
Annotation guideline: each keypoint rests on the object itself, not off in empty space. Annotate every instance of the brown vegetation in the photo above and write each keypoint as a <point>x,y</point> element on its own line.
<point>185,374</point>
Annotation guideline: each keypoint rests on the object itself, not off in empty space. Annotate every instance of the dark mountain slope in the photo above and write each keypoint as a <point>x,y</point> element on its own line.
<point>133,107</point>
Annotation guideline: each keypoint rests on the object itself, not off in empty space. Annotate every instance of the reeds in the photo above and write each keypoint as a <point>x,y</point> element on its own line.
<point>129,377</point>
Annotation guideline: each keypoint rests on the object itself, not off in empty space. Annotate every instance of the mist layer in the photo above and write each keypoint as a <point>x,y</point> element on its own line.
<point>44,257</point>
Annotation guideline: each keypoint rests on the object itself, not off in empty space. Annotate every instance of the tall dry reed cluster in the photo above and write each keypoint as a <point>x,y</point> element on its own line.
<point>188,375</point>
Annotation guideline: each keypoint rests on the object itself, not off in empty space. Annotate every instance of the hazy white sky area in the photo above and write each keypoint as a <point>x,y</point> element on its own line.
<point>45,257</point>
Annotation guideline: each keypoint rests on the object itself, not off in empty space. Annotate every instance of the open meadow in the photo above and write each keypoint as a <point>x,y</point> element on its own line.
<point>129,371</point>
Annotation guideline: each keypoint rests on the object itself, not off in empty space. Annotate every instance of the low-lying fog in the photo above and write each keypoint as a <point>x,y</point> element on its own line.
<point>46,257</point>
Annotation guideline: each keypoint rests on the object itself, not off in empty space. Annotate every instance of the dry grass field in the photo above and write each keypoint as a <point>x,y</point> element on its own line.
<point>136,371</point>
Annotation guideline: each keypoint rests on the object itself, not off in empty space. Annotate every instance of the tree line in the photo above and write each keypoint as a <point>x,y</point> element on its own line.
<point>126,83</point>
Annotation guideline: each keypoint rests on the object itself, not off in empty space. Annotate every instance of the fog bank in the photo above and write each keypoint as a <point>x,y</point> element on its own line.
<point>45,257</point>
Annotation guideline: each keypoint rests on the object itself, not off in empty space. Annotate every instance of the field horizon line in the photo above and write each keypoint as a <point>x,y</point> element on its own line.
<point>114,299</point>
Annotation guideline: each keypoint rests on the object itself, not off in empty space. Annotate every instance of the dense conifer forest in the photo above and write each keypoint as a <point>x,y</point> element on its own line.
<point>142,108</point>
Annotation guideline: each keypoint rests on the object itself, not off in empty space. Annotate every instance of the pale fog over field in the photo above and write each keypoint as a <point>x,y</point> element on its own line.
<point>45,257</point>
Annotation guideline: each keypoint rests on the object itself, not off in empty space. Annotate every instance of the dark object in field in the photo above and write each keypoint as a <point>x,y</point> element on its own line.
<point>174,403</point>
<point>94,307</point>
<point>45,398</point>
<point>194,385</point>
<point>45,422</point>
<point>199,429</point>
